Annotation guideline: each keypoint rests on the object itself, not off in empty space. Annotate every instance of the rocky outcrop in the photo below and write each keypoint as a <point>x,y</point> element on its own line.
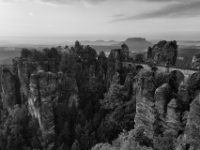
<point>145,103</point>
<point>196,61</point>
<point>173,118</point>
<point>115,59</point>
<point>43,93</point>
<point>183,96</point>
<point>102,66</point>
<point>163,52</point>
<point>193,125</point>
<point>124,53</point>
<point>175,79</point>
<point>194,85</point>
<point>129,83</point>
<point>9,91</point>
<point>68,86</point>
<point>162,97</point>
<point>45,90</point>
<point>23,71</point>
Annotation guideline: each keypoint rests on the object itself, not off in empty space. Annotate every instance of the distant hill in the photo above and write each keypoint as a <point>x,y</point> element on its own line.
<point>96,43</point>
<point>136,44</point>
<point>5,43</point>
<point>189,43</point>
<point>6,56</point>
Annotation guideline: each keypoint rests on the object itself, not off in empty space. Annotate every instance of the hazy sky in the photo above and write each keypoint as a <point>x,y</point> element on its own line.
<point>101,19</point>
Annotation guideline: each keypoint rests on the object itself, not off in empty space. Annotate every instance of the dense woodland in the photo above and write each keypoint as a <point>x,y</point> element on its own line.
<point>76,127</point>
<point>104,116</point>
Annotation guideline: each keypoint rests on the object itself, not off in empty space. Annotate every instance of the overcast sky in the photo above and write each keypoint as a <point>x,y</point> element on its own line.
<point>101,19</point>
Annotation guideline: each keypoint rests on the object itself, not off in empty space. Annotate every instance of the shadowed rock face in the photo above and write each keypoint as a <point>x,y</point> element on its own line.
<point>24,70</point>
<point>194,85</point>
<point>173,117</point>
<point>43,92</point>
<point>69,86</point>
<point>129,83</point>
<point>162,97</point>
<point>145,103</point>
<point>102,67</point>
<point>196,61</point>
<point>163,52</point>
<point>193,125</point>
<point>8,84</point>
<point>124,52</point>
<point>175,79</point>
<point>116,78</point>
<point>114,65</point>
<point>183,96</point>
<point>45,89</point>
<point>115,59</point>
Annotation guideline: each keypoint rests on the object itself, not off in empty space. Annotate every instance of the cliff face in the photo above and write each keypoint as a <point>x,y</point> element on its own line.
<point>145,103</point>
<point>196,61</point>
<point>23,71</point>
<point>40,91</point>
<point>166,111</point>
<point>43,95</point>
<point>163,53</point>
<point>115,62</point>
<point>9,89</point>
<point>192,133</point>
<point>102,99</point>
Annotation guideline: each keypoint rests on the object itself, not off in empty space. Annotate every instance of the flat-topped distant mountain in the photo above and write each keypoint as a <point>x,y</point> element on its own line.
<point>136,44</point>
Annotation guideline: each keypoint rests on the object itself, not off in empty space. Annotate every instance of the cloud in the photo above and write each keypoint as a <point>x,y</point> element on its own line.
<point>180,9</point>
<point>118,15</point>
<point>71,1</point>
<point>92,1</point>
<point>58,1</point>
<point>31,14</point>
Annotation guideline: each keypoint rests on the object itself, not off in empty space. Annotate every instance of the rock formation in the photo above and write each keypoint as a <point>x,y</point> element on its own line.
<point>102,66</point>
<point>173,118</point>
<point>100,100</point>
<point>8,83</point>
<point>145,103</point>
<point>192,133</point>
<point>196,61</point>
<point>163,53</point>
<point>115,59</point>
<point>162,98</point>
<point>43,93</point>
